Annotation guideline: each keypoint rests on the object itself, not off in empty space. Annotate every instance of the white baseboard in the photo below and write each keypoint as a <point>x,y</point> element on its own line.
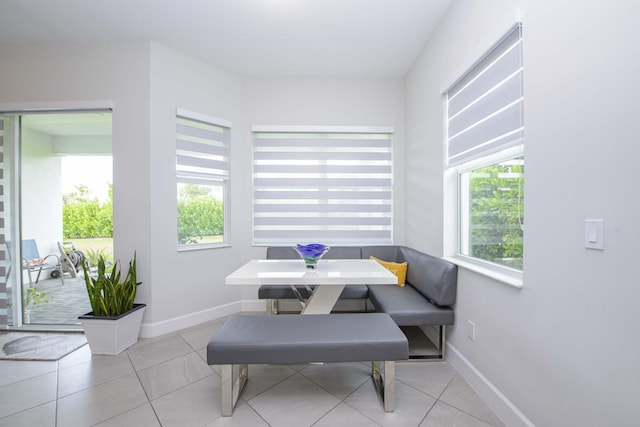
<point>498,402</point>
<point>150,330</point>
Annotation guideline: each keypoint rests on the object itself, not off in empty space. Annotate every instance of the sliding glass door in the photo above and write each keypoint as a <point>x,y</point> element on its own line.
<point>63,177</point>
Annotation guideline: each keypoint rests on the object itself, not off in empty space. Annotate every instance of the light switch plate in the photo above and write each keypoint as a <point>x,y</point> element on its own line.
<point>594,234</point>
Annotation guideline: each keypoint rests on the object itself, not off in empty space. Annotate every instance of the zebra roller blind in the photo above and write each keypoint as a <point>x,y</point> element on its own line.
<point>3,245</point>
<point>485,106</point>
<point>326,185</point>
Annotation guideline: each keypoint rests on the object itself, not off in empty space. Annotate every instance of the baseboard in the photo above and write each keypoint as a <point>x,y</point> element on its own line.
<point>150,330</point>
<point>498,402</point>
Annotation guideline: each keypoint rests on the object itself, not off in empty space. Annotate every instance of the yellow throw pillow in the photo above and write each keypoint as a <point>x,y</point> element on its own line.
<point>400,270</point>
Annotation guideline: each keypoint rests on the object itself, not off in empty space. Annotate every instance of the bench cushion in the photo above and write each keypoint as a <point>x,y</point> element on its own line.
<point>285,292</point>
<point>292,339</point>
<point>408,307</point>
<point>433,277</point>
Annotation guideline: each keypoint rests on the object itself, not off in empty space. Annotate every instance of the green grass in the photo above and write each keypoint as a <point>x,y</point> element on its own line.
<point>88,246</point>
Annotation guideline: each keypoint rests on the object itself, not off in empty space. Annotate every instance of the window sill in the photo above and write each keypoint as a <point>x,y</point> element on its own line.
<point>188,248</point>
<point>508,277</point>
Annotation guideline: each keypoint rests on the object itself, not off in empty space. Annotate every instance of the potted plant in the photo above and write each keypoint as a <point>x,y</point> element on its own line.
<point>114,324</point>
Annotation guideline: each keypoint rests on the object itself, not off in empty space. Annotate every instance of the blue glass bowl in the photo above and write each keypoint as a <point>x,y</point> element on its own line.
<point>311,253</point>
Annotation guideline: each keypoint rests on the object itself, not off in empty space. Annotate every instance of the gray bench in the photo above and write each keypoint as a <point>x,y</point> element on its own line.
<point>294,339</point>
<point>427,299</point>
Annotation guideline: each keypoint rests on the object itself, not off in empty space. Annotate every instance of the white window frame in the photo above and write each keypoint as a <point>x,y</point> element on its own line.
<point>456,168</point>
<point>212,177</point>
<point>266,225</point>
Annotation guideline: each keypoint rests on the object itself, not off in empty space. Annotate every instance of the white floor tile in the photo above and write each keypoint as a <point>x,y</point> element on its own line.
<point>165,381</point>
<point>17,397</point>
<point>12,371</point>
<point>101,403</point>
<point>429,377</point>
<point>443,415</point>
<point>460,395</point>
<point>411,405</point>
<point>142,416</point>
<point>345,416</point>
<point>170,376</point>
<point>156,352</point>
<point>200,337</point>
<point>263,377</point>
<point>294,402</point>
<point>243,415</point>
<point>194,405</point>
<point>40,416</point>
<point>339,379</point>
<point>96,371</point>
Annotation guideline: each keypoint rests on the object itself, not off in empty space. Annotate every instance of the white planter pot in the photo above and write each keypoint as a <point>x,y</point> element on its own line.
<point>113,335</point>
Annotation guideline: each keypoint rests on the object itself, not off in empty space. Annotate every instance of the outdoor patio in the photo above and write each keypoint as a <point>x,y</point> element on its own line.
<point>66,303</point>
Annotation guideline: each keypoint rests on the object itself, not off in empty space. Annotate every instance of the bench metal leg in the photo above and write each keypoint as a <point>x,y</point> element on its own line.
<point>386,384</point>
<point>272,306</point>
<point>231,389</point>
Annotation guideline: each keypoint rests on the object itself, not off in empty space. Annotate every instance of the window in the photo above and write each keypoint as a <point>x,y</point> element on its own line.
<point>485,146</point>
<point>202,172</point>
<point>324,185</point>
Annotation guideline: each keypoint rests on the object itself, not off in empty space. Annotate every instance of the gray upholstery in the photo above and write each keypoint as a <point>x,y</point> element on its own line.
<point>337,252</point>
<point>292,339</point>
<point>426,299</point>
<point>408,307</point>
<point>434,277</point>
<point>285,292</point>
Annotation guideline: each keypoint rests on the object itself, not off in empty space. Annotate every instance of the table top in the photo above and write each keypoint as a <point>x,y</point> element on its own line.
<point>327,272</point>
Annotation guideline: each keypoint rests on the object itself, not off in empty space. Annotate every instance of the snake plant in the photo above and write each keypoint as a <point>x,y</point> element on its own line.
<point>108,294</point>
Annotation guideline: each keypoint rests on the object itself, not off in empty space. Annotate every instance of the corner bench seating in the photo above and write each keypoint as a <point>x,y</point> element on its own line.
<point>295,339</point>
<point>426,300</point>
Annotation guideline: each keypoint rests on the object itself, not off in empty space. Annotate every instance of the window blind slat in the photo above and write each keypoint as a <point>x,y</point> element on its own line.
<point>270,221</point>
<point>493,101</point>
<point>324,143</point>
<point>183,162</point>
<point>489,78</point>
<point>325,235</point>
<point>325,169</point>
<point>199,132</point>
<point>282,208</point>
<point>321,156</point>
<point>326,187</point>
<point>198,147</point>
<point>282,194</point>
<point>485,107</point>
<point>322,182</point>
<point>3,247</point>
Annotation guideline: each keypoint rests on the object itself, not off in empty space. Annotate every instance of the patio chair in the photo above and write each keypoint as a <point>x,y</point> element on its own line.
<point>32,261</point>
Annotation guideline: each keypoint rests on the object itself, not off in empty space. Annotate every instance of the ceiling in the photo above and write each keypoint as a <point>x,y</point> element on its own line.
<point>360,38</point>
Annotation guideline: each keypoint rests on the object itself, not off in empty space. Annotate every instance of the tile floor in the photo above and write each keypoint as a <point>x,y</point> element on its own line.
<point>165,381</point>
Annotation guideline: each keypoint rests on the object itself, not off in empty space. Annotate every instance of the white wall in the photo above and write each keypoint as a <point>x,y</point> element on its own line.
<point>188,287</point>
<point>41,207</point>
<point>72,76</point>
<point>562,350</point>
<point>145,84</point>
<point>335,101</point>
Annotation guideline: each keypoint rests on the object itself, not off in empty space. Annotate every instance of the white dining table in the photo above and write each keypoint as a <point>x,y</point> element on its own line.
<point>330,277</point>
